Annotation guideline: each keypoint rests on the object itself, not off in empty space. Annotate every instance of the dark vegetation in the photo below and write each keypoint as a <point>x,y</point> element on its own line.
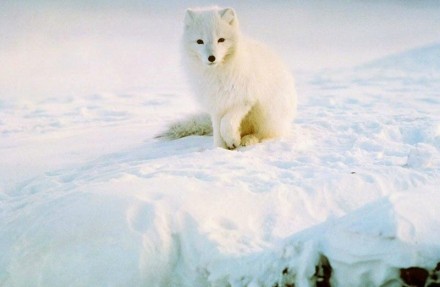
<point>409,277</point>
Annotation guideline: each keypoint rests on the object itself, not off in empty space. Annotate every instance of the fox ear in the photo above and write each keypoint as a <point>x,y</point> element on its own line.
<point>189,17</point>
<point>228,14</point>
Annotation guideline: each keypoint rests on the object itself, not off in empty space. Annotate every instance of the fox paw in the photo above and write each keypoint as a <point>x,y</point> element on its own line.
<point>230,135</point>
<point>232,143</point>
<point>248,140</point>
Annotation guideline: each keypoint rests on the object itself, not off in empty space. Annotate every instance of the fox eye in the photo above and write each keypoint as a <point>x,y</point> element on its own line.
<point>200,41</point>
<point>221,40</point>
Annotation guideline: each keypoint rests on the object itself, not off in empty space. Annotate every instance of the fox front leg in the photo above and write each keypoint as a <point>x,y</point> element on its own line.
<point>230,126</point>
<point>218,140</point>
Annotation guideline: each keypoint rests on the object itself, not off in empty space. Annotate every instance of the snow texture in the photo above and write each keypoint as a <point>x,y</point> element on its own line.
<point>89,196</point>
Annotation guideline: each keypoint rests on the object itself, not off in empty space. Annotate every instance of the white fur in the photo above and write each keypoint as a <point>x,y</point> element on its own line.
<point>193,125</point>
<point>247,91</point>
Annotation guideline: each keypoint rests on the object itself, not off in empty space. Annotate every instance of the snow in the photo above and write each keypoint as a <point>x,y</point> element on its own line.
<point>89,196</point>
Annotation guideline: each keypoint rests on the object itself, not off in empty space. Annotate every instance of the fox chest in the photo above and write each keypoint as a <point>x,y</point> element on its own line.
<point>219,94</point>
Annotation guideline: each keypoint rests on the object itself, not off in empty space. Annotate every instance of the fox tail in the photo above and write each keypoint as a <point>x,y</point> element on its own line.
<point>199,124</point>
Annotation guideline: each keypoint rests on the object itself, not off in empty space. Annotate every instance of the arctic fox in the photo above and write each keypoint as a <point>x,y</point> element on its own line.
<point>245,88</point>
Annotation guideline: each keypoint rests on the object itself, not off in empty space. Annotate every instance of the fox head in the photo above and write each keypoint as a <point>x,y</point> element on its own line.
<point>210,35</point>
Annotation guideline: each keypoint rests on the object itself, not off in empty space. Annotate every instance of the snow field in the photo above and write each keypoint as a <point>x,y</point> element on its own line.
<point>89,197</point>
<point>356,185</point>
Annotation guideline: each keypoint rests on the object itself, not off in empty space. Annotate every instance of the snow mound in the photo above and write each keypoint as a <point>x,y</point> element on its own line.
<point>419,67</point>
<point>420,60</point>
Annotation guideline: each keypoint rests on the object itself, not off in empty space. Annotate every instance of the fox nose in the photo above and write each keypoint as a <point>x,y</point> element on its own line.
<point>211,58</point>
